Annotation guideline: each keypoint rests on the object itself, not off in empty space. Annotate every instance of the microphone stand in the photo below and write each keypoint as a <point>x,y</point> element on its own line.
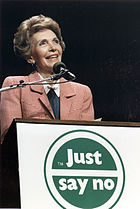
<point>22,84</point>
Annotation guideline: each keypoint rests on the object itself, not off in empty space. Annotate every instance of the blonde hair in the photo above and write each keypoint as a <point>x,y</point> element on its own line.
<point>22,38</point>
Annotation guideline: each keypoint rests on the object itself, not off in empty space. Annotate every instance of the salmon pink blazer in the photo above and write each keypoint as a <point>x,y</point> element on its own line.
<point>76,102</point>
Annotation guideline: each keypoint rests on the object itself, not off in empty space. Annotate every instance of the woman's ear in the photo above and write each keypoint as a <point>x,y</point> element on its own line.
<point>31,60</point>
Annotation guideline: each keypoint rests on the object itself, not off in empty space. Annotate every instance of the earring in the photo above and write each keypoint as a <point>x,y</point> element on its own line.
<point>34,66</point>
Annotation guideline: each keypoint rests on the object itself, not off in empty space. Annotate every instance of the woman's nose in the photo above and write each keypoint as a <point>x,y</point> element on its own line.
<point>52,46</point>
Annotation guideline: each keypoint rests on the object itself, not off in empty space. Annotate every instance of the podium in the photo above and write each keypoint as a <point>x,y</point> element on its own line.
<point>71,164</point>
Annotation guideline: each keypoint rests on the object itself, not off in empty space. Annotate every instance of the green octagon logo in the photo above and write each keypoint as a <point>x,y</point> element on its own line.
<point>83,169</point>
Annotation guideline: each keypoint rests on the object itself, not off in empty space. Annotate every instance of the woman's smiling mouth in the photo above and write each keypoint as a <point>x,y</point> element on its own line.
<point>53,56</point>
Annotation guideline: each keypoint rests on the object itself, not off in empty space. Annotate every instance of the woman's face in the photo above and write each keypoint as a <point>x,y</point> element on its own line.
<point>46,51</point>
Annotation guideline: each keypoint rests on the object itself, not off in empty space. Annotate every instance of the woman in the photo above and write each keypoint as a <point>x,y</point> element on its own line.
<point>38,40</point>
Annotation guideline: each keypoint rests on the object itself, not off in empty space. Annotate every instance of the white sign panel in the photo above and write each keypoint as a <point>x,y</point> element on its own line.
<point>78,166</point>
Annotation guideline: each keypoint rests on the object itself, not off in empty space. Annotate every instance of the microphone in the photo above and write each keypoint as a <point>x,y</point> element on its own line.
<point>60,68</point>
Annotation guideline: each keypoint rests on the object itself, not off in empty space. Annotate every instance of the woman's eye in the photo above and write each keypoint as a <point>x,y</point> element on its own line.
<point>56,41</point>
<point>46,43</point>
<point>42,43</point>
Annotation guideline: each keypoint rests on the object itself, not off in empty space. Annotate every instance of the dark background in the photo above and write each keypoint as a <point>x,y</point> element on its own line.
<point>102,49</point>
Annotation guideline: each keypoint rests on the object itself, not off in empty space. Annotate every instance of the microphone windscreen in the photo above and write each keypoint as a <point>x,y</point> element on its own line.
<point>57,67</point>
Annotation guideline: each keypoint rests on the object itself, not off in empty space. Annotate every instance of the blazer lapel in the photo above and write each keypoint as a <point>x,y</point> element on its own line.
<point>66,93</point>
<point>36,88</point>
<point>41,92</point>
